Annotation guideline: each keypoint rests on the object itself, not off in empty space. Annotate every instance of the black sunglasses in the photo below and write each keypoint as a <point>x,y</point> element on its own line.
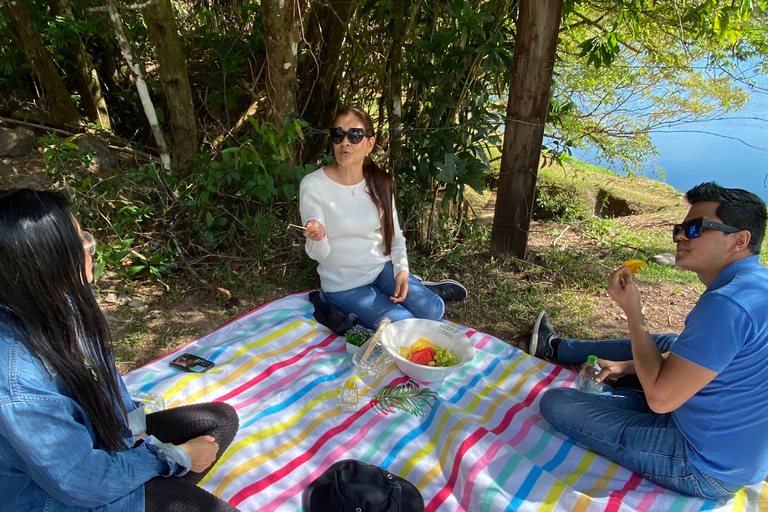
<point>692,228</point>
<point>354,135</point>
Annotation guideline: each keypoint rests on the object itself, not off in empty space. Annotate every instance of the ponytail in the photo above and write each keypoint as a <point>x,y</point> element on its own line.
<point>381,188</point>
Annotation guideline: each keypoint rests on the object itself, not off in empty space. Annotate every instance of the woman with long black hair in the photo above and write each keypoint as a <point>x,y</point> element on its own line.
<point>71,439</point>
<point>348,212</point>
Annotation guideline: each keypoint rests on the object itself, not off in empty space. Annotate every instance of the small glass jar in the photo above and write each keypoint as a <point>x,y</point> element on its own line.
<point>349,398</point>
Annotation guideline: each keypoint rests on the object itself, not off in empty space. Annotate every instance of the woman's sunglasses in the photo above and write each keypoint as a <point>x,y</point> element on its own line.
<point>692,228</point>
<point>354,135</point>
<point>89,242</point>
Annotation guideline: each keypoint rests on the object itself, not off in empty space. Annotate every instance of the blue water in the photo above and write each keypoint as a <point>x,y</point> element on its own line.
<point>732,151</point>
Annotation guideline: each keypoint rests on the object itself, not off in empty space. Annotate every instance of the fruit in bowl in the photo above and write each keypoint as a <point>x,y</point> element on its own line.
<point>423,341</point>
<point>424,352</point>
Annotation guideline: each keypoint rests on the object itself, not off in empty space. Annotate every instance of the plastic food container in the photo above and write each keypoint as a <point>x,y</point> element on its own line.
<point>405,332</point>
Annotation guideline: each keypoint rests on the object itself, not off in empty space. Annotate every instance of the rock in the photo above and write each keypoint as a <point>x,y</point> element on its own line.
<point>99,151</point>
<point>111,297</point>
<point>135,303</point>
<point>6,170</point>
<point>665,258</point>
<point>16,143</point>
<point>123,299</point>
<point>112,320</point>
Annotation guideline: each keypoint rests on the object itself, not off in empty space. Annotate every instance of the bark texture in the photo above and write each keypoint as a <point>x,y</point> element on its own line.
<point>529,89</point>
<point>86,78</point>
<point>282,21</point>
<point>320,68</point>
<point>58,101</point>
<point>163,33</point>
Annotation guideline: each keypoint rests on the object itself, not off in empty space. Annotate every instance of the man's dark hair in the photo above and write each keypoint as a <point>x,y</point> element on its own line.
<point>738,208</point>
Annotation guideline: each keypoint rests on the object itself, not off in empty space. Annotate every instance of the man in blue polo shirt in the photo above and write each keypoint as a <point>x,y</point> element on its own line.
<point>702,427</point>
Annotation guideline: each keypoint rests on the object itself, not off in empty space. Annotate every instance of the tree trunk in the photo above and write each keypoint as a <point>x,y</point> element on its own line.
<point>141,85</point>
<point>161,27</point>
<point>281,26</point>
<point>534,58</point>
<point>87,79</point>
<point>320,68</point>
<point>395,104</point>
<point>57,98</point>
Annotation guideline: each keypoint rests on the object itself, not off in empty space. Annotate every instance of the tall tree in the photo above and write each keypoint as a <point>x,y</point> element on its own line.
<point>161,27</point>
<point>57,98</point>
<point>137,68</point>
<point>532,67</point>
<point>282,21</point>
<point>86,77</point>
<point>320,67</point>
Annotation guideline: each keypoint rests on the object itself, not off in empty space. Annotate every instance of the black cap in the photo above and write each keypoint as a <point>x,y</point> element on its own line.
<point>354,486</point>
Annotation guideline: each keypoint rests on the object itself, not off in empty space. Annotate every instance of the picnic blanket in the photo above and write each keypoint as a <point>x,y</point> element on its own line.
<point>483,446</point>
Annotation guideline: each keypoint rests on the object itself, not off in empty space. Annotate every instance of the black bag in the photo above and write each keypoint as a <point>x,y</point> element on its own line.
<point>331,316</point>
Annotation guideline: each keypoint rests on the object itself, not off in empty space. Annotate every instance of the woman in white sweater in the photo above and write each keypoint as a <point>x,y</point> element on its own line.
<point>353,232</point>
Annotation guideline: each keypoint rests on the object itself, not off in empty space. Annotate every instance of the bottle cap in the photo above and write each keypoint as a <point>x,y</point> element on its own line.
<point>592,359</point>
<point>350,384</point>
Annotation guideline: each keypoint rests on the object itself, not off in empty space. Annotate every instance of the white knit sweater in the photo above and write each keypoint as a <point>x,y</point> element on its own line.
<point>352,252</point>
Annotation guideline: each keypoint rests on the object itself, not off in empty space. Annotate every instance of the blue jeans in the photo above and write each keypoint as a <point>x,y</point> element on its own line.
<point>372,302</point>
<point>620,426</point>
<point>577,351</point>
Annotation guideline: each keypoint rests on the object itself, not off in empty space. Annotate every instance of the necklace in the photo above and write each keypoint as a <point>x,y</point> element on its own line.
<point>353,188</point>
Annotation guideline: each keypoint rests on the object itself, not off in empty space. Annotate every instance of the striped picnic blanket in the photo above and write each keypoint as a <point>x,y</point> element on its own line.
<point>482,447</point>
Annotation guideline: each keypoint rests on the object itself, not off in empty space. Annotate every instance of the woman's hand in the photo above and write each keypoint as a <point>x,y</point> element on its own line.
<point>401,287</point>
<point>614,369</point>
<point>202,450</point>
<point>314,230</point>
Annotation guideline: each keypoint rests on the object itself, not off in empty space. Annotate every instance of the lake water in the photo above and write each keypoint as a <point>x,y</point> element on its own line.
<point>732,151</point>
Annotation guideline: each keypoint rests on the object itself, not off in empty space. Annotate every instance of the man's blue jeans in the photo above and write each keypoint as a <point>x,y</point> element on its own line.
<point>620,426</point>
<point>372,302</point>
<point>577,351</point>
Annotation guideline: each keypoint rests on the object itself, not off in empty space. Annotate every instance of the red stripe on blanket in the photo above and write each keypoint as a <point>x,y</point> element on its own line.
<point>272,369</point>
<point>467,444</point>
<point>262,484</point>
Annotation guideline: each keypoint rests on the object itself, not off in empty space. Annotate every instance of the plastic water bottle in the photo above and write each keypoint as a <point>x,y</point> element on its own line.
<point>587,376</point>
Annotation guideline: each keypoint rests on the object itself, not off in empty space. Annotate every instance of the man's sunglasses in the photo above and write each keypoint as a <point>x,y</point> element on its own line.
<point>692,228</point>
<point>354,135</point>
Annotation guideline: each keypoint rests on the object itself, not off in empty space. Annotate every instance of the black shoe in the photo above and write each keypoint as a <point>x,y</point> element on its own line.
<point>448,290</point>
<point>541,339</point>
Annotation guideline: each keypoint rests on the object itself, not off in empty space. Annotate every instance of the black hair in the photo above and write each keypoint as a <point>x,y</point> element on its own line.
<point>43,285</point>
<point>737,207</point>
<point>381,185</point>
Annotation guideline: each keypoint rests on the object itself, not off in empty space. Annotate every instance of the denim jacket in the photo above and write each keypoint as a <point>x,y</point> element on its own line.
<point>50,458</point>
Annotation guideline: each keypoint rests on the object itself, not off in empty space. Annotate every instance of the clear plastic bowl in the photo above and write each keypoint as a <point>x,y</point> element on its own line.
<point>405,332</point>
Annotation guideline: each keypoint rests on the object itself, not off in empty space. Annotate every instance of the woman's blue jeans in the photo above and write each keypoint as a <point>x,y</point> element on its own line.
<point>372,302</point>
<point>620,426</point>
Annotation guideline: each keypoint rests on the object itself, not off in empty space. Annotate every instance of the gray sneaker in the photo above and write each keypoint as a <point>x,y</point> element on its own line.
<point>447,289</point>
<point>541,339</point>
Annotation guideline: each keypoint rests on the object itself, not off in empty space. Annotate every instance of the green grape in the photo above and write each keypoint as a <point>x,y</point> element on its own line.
<point>444,357</point>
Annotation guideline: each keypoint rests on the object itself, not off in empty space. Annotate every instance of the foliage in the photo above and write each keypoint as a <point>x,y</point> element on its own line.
<point>149,221</point>
<point>357,336</point>
<point>407,397</point>
<point>624,69</point>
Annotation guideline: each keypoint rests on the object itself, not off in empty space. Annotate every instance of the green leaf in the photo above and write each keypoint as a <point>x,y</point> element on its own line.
<point>406,397</point>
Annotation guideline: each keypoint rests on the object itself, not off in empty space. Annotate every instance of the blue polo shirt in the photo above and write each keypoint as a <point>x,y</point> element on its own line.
<point>726,423</point>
